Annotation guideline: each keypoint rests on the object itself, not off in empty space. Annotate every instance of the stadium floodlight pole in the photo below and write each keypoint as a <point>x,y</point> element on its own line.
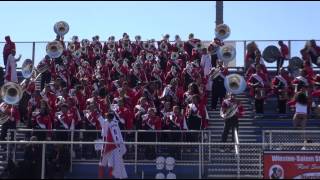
<point>219,12</point>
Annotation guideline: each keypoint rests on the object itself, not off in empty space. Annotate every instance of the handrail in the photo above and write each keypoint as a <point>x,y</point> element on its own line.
<point>237,40</point>
<point>236,146</point>
<point>91,130</point>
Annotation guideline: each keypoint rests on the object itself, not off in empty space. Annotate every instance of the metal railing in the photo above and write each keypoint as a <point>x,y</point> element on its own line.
<point>37,50</point>
<point>251,149</point>
<point>204,136</point>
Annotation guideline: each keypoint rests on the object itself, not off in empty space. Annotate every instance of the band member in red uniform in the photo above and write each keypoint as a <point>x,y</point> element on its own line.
<point>302,81</point>
<point>124,115</point>
<point>111,154</point>
<point>281,89</point>
<point>217,75</point>
<point>252,67</point>
<point>150,121</point>
<point>9,45</point>
<point>232,110</point>
<point>42,120</point>
<point>64,121</point>
<point>29,87</point>
<point>12,118</point>
<point>284,54</point>
<point>258,84</point>
<point>139,110</point>
<point>173,92</point>
<point>50,98</point>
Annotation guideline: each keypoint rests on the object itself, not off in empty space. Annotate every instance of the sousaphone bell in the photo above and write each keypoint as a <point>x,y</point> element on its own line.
<point>54,49</point>
<point>27,68</point>
<point>222,31</point>
<point>61,28</point>
<point>226,53</point>
<point>11,93</point>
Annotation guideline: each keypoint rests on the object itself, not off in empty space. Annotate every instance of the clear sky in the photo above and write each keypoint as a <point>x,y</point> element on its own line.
<point>33,21</point>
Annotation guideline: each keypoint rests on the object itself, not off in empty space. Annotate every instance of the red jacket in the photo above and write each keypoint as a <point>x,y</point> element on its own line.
<point>127,116</point>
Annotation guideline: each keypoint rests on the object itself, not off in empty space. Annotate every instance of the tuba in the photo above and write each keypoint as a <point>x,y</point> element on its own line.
<point>180,45</point>
<point>295,63</point>
<point>77,54</point>
<point>146,45</point>
<point>164,47</point>
<point>85,42</point>
<point>61,28</point>
<point>271,54</point>
<point>138,38</point>
<point>71,47</point>
<point>235,84</point>
<point>54,49</point>
<point>149,56</point>
<point>112,45</point>
<point>174,55</point>
<point>222,31</point>
<point>97,50</point>
<point>11,93</point>
<point>226,53</point>
<point>27,68</point>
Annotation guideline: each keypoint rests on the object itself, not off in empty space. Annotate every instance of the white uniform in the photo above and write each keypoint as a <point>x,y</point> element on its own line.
<point>112,153</point>
<point>206,66</point>
<point>11,71</point>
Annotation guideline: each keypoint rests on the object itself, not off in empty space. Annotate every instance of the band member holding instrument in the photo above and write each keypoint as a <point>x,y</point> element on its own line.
<point>213,48</point>
<point>252,67</point>
<point>231,110</point>
<point>41,119</point>
<point>284,55</point>
<point>12,117</point>
<point>218,75</point>
<point>112,153</point>
<point>281,88</point>
<point>206,66</point>
<point>258,85</point>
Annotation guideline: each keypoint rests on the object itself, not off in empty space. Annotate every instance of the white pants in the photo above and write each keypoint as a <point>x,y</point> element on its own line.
<point>114,159</point>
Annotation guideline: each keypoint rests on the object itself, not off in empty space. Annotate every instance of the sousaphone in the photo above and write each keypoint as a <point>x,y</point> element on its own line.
<point>271,54</point>
<point>11,93</point>
<point>54,49</point>
<point>61,28</point>
<point>234,84</point>
<point>226,53</point>
<point>27,68</point>
<point>222,31</point>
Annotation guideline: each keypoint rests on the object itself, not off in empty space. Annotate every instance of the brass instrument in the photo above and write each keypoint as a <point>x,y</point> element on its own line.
<point>11,93</point>
<point>27,68</point>
<point>71,47</point>
<point>235,84</point>
<point>85,42</point>
<point>226,53</point>
<point>61,28</point>
<point>54,49</point>
<point>97,50</point>
<point>77,54</point>
<point>231,111</point>
<point>180,45</point>
<point>138,38</point>
<point>146,45</point>
<point>174,55</point>
<point>164,47</point>
<point>222,31</point>
<point>149,56</point>
<point>271,54</point>
<point>112,45</point>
